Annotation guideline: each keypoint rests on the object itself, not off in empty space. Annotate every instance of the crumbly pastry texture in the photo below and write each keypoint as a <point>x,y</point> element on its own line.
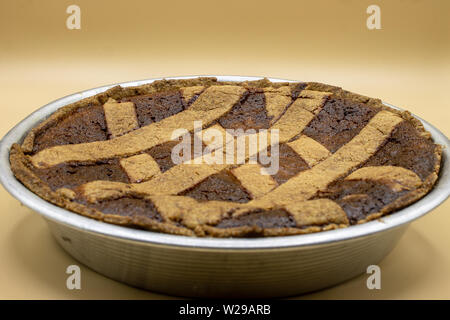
<point>344,158</point>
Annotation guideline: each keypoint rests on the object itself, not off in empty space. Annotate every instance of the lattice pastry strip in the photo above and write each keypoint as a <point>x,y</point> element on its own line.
<point>397,178</point>
<point>317,212</point>
<point>251,178</point>
<point>140,167</point>
<point>310,150</point>
<point>299,115</point>
<point>189,92</point>
<point>277,99</point>
<point>120,117</point>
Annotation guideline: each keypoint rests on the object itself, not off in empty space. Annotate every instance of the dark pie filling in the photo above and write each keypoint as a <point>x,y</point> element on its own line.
<point>406,148</point>
<point>156,107</point>
<point>84,125</point>
<point>129,207</point>
<point>249,113</point>
<point>163,153</point>
<point>360,198</point>
<point>290,163</point>
<point>261,218</point>
<point>338,122</point>
<point>221,186</point>
<point>72,175</point>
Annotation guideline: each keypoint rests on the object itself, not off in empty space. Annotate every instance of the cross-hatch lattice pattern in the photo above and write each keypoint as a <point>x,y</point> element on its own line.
<point>289,117</point>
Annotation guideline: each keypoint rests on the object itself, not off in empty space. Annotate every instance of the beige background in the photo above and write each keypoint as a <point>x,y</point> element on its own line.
<point>406,63</point>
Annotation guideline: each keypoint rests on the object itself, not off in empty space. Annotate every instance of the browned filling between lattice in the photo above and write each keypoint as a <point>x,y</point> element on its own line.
<point>277,218</point>
<point>152,108</point>
<point>131,207</point>
<point>72,175</point>
<point>336,120</point>
<point>360,198</point>
<point>249,113</point>
<point>86,124</point>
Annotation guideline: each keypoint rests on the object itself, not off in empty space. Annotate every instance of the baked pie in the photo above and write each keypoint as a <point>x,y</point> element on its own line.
<point>201,157</point>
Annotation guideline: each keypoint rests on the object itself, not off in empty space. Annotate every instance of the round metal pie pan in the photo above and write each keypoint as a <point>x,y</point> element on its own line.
<point>213,267</point>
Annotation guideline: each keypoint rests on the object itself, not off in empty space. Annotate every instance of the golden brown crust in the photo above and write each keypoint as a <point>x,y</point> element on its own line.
<point>397,178</point>
<point>276,100</point>
<point>204,224</point>
<point>310,150</point>
<point>253,181</point>
<point>120,117</point>
<point>189,92</point>
<point>140,167</point>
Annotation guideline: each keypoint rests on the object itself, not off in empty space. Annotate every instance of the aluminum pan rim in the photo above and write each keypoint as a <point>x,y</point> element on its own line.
<point>434,198</point>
